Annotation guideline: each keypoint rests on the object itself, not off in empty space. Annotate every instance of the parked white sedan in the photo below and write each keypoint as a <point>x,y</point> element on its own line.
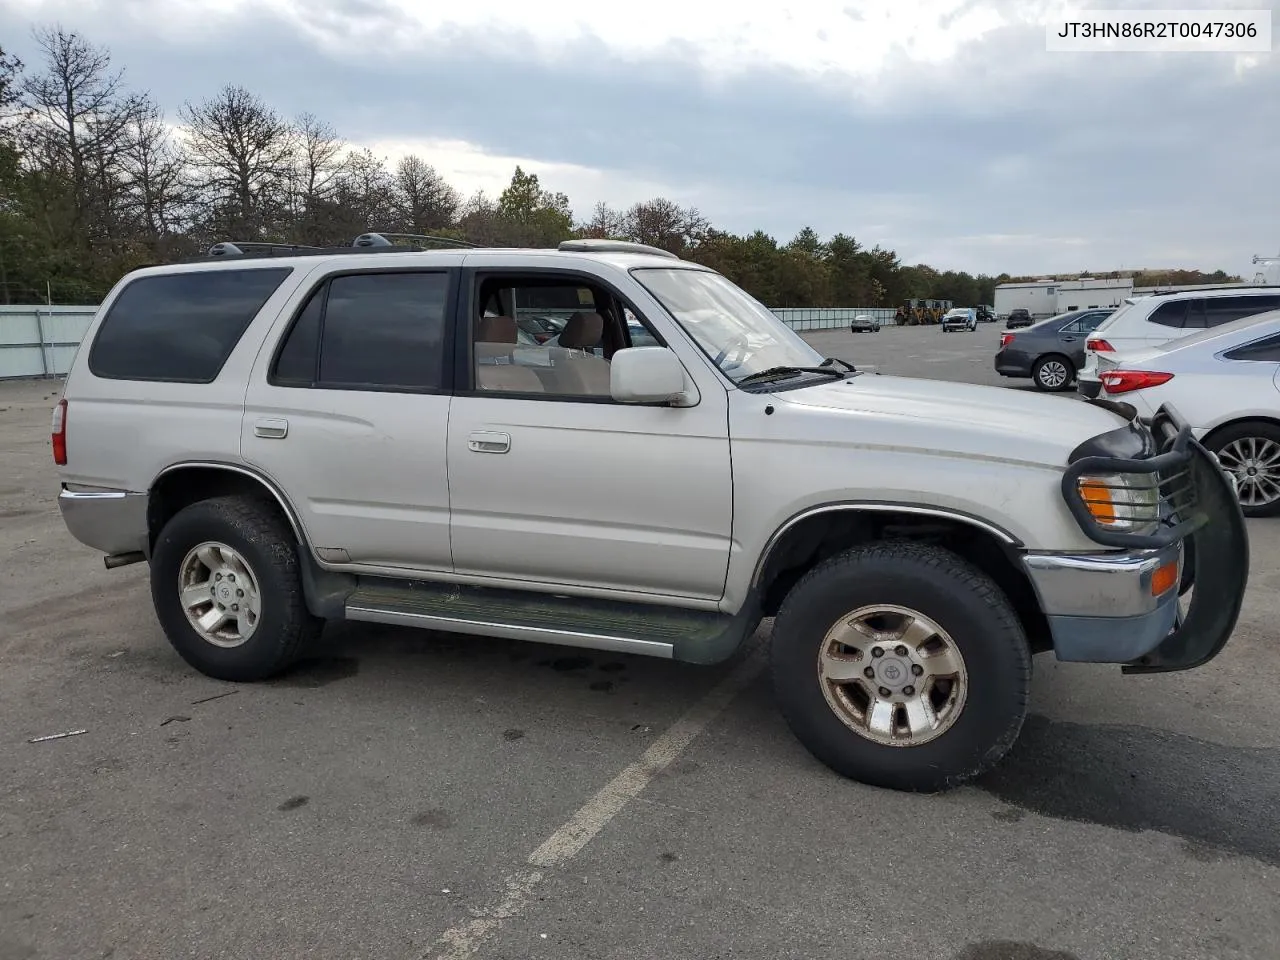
<point>1225,382</point>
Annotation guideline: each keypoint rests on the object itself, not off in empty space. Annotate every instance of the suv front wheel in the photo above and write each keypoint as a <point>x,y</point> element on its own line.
<point>901,665</point>
<point>227,589</point>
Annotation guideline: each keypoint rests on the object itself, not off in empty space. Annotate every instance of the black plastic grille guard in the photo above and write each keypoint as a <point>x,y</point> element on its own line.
<point>1181,517</point>
<point>1218,553</point>
<point>1216,550</point>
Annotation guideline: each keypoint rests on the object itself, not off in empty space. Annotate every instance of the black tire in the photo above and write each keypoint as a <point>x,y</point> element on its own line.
<point>1042,368</point>
<point>960,599</point>
<point>267,544</point>
<point>1246,429</point>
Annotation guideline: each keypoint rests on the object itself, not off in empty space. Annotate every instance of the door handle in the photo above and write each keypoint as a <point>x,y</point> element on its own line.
<point>271,428</point>
<point>1068,339</point>
<point>486,442</point>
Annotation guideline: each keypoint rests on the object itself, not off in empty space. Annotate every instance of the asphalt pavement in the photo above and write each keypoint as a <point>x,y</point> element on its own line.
<point>416,796</point>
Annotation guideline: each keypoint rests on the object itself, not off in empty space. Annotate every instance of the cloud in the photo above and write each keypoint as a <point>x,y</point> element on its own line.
<point>941,128</point>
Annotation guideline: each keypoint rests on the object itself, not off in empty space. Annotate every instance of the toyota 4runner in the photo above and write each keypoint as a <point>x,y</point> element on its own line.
<point>290,437</point>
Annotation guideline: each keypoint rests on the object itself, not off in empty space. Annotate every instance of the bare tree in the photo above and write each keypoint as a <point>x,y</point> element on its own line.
<point>480,222</point>
<point>663,223</point>
<point>243,155</point>
<point>10,72</point>
<point>366,193</point>
<point>424,200</point>
<point>80,119</point>
<point>318,169</point>
<point>160,192</point>
<point>606,223</point>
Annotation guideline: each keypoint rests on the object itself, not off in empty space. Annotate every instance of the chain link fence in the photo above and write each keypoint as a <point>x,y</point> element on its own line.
<point>830,318</point>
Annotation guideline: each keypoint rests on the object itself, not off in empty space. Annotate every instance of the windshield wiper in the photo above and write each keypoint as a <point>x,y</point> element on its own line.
<point>833,360</point>
<point>777,373</point>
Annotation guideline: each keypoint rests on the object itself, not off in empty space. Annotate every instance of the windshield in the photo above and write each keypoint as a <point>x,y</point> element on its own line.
<point>1225,330</point>
<point>740,334</point>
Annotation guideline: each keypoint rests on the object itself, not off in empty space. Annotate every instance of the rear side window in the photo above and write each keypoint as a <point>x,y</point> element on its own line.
<point>1220,310</point>
<point>1266,350</point>
<point>1171,314</point>
<point>180,327</point>
<point>370,331</point>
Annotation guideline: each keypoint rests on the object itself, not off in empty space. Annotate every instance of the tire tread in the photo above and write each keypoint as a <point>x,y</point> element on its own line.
<point>966,577</point>
<point>258,522</point>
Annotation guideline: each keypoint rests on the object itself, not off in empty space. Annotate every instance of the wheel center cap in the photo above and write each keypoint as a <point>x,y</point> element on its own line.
<point>223,593</point>
<point>1252,471</point>
<point>893,672</point>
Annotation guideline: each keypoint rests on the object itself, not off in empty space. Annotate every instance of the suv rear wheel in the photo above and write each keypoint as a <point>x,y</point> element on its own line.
<point>902,666</point>
<point>227,589</point>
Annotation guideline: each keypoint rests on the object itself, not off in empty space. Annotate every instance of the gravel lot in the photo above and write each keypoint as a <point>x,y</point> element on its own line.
<point>386,798</point>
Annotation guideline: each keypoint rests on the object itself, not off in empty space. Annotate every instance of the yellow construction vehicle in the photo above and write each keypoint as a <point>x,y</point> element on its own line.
<point>914,313</point>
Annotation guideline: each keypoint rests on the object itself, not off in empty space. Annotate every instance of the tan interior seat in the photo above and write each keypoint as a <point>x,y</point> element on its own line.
<point>575,371</point>
<point>496,369</point>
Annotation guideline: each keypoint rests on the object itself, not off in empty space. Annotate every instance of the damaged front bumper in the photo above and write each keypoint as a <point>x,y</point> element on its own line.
<point>1123,605</point>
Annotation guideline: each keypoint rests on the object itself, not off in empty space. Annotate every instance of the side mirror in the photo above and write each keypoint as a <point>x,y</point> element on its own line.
<point>647,375</point>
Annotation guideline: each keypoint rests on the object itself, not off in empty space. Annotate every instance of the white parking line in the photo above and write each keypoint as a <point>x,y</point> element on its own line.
<point>462,942</point>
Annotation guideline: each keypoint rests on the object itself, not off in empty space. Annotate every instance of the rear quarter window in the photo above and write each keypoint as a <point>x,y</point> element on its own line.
<point>1220,310</point>
<point>180,327</point>
<point>1172,313</point>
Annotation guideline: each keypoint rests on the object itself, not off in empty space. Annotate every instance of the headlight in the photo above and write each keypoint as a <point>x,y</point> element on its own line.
<point>1123,502</point>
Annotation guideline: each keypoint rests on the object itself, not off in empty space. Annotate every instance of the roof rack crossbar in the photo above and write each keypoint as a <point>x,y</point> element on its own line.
<point>236,248</point>
<point>383,239</point>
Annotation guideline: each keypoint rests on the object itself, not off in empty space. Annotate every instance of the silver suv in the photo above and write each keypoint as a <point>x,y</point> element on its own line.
<point>365,433</point>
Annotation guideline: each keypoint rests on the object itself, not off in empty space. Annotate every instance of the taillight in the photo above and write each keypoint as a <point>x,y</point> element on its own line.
<point>1122,381</point>
<point>60,433</point>
<point>1099,345</point>
<point>1006,339</point>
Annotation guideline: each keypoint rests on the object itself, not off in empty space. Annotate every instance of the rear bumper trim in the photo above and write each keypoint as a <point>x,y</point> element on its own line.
<point>1088,387</point>
<point>112,521</point>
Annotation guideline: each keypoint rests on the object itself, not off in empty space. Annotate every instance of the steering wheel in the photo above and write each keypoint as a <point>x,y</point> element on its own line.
<point>741,343</point>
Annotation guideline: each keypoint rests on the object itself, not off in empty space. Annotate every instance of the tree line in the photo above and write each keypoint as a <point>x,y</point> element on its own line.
<point>93,183</point>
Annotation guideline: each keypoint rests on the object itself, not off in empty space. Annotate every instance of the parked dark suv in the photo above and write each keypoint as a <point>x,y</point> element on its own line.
<point>1018,318</point>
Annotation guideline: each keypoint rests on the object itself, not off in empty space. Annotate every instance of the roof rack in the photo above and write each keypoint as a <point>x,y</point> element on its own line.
<point>381,239</point>
<point>374,242</point>
<point>239,248</point>
<point>590,245</point>
<point>1210,288</point>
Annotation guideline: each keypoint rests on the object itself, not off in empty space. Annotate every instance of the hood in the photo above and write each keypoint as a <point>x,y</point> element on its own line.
<point>992,423</point>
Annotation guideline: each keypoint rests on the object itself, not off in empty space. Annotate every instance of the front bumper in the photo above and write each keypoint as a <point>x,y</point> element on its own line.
<point>1101,607</point>
<point>112,521</point>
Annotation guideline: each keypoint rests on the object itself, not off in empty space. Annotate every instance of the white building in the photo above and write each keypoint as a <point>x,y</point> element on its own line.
<point>1045,298</point>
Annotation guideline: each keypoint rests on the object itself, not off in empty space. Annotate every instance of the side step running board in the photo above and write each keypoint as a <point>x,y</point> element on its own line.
<point>655,631</point>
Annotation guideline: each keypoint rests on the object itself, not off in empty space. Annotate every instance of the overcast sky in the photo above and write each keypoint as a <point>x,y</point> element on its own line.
<point>941,128</point>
